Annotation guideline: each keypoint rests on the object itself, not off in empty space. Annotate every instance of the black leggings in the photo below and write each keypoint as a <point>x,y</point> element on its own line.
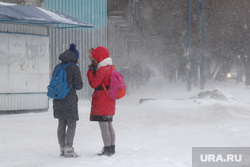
<point>66,137</point>
<point>108,133</point>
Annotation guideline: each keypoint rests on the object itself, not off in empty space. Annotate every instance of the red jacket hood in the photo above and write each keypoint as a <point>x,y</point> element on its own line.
<point>100,53</point>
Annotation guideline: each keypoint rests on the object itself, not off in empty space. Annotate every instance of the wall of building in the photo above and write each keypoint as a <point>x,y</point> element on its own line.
<point>24,67</point>
<point>58,40</point>
<point>91,11</point>
<point>122,37</point>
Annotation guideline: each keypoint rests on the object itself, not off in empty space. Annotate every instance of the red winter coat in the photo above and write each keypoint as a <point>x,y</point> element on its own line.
<point>101,104</point>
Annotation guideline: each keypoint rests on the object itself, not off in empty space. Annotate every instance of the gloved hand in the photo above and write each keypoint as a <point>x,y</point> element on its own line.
<point>94,64</point>
<point>93,67</point>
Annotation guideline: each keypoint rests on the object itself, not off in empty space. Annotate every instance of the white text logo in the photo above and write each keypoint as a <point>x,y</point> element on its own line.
<point>220,158</point>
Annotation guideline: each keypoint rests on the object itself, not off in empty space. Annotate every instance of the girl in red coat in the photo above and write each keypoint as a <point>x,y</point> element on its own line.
<point>102,107</point>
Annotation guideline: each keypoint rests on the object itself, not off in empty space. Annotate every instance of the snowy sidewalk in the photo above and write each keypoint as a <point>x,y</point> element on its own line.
<point>158,133</point>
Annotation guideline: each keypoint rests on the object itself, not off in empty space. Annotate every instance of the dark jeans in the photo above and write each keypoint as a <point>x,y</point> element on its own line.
<point>66,132</point>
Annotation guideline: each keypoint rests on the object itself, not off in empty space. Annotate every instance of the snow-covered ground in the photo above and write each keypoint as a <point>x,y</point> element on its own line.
<point>155,133</point>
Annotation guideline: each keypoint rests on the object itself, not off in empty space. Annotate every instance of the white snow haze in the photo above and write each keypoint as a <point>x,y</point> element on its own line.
<point>156,133</point>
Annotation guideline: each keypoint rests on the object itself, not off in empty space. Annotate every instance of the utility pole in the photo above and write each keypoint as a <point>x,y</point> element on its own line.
<point>189,50</point>
<point>202,51</point>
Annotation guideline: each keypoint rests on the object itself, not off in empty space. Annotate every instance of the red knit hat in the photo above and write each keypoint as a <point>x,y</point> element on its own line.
<point>100,53</point>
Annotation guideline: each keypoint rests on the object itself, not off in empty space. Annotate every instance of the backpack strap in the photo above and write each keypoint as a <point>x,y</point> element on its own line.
<point>104,87</point>
<point>66,65</point>
<point>60,66</point>
<point>63,67</point>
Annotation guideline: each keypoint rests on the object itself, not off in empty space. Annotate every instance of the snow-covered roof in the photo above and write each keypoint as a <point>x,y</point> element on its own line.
<point>27,14</point>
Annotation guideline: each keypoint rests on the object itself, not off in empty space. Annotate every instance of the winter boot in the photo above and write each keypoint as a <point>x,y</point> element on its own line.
<point>106,151</point>
<point>61,151</point>
<point>69,152</point>
<point>112,149</point>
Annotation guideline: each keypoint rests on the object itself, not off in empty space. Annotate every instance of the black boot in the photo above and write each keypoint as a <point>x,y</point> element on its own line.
<point>112,149</point>
<point>105,151</point>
